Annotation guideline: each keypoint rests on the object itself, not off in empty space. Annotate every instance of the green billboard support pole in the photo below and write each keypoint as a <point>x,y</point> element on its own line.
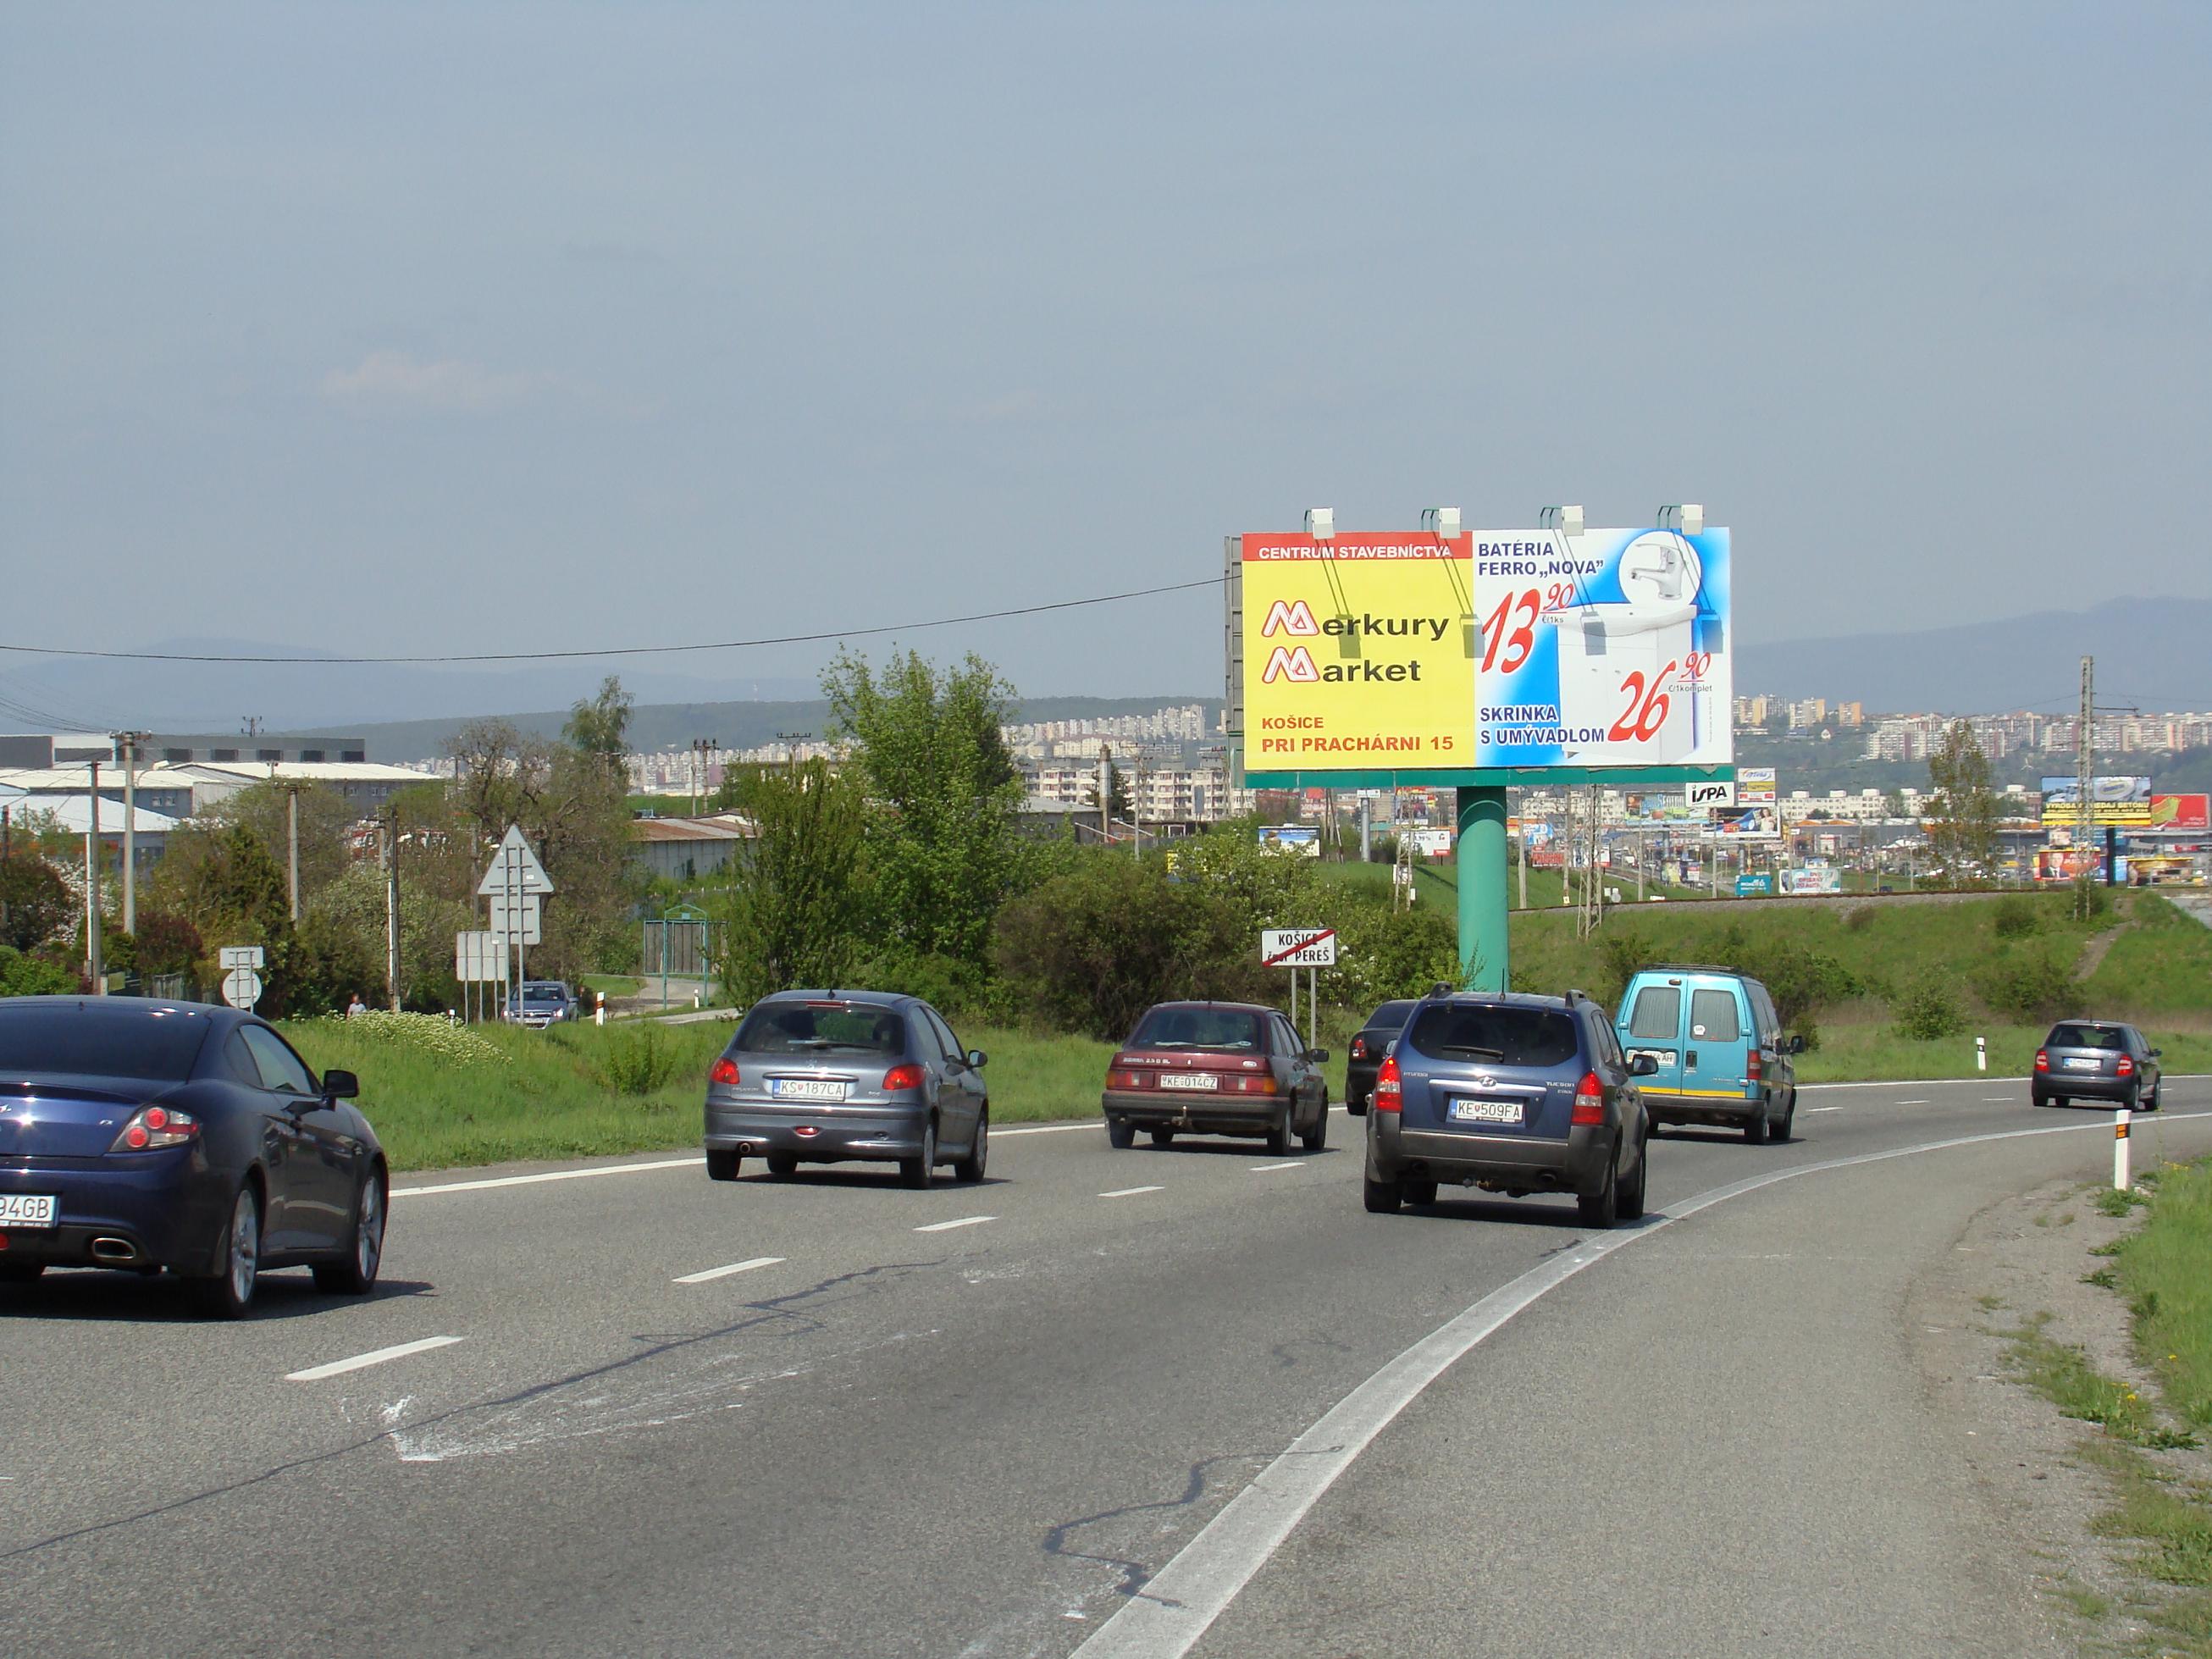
<point>1483,870</point>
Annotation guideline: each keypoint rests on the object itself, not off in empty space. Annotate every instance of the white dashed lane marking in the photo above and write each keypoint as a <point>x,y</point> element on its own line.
<point>1131,1192</point>
<point>734,1268</point>
<point>964,1221</point>
<point>374,1357</point>
<point>1262,1169</point>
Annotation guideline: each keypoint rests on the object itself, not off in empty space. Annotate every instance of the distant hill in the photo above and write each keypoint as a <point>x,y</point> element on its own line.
<point>2150,652</point>
<point>657,727</point>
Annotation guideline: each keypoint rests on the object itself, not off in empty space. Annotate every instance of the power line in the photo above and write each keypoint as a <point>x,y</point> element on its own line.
<point>623,650</point>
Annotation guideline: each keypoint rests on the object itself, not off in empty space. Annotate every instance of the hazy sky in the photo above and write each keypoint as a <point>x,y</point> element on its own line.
<point>453,326</point>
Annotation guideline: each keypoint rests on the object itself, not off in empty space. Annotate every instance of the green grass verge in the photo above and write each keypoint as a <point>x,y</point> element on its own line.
<point>2166,1269</point>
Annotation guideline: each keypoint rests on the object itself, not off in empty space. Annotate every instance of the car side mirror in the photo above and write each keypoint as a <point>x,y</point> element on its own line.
<point>1797,1045</point>
<point>340,1085</point>
<point>976,1058</point>
<point>1643,1065</point>
<point>2155,1053</point>
<point>1317,1056</point>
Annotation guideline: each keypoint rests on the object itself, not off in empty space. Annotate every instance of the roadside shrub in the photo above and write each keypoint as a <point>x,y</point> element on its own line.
<point>1384,953</point>
<point>2030,986</point>
<point>637,1060</point>
<point>1928,1009</point>
<point>1619,954</point>
<point>1809,1028</point>
<point>2093,900</point>
<point>1858,918</point>
<point>425,1033</point>
<point>2017,916</point>
<point>22,975</point>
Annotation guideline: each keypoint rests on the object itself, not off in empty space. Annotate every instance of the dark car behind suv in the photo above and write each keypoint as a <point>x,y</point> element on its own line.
<point>1368,1049</point>
<point>1514,1094</point>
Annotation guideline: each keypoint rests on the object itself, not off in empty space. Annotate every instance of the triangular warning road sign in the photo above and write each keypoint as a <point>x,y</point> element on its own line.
<point>514,868</point>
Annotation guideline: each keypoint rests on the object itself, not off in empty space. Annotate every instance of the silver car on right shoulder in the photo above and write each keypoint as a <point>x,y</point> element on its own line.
<point>838,1077</point>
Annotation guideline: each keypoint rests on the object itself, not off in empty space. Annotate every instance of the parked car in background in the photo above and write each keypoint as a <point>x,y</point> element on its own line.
<point>2096,1060</point>
<point>1514,1094</point>
<point>175,1137</point>
<point>835,1077</point>
<point>542,1002</point>
<point>1367,1047</point>
<point>1215,1068</point>
<point>1721,1054</point>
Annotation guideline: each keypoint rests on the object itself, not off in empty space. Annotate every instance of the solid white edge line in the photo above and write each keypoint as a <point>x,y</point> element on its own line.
<point>1131,1192</point>
<point>375,1357</point>
<point>1180,1602</point>
<point>492,1182</point>
<point>724,1273</point>
<point>964,1221</point>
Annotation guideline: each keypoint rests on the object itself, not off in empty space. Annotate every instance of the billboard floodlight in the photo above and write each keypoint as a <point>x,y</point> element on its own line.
<point>1441,521</point>
<point>1689,518</point>
<point>1321,522</point>
<point>1567,520</point>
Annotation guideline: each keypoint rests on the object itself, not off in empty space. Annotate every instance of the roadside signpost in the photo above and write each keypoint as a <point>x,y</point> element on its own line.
<point>1479,660</point>
<point>1310,948</point>
<point>242,981</point>
<point>479,958</point>
<point>514,883</point>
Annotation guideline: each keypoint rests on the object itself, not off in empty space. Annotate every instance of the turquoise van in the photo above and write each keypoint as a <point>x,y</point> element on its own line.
<point>1722,1058</point>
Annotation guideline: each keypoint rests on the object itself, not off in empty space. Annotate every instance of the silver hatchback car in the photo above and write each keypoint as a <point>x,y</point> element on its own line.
<point>837,1076</point>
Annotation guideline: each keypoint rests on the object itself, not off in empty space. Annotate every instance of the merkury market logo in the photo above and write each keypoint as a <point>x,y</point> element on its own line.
<point>1295,664</point>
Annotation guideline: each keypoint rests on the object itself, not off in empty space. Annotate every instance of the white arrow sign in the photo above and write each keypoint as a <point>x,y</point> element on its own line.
<point>520,918</point>
<point>240,956</point>
<point>241,987</point>
<point>514,868</point>
<point>1298,947</point>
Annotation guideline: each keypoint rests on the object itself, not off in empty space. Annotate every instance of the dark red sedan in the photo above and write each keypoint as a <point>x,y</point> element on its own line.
<point>1217,1068</point>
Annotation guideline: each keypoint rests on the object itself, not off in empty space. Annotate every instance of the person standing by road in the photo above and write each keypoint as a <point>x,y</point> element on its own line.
<point>357,1007</point>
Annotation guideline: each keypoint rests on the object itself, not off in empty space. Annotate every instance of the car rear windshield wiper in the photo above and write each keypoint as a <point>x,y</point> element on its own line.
<point>1470,1048</point>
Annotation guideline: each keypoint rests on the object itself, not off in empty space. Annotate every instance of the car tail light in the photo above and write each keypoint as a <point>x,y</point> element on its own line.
<point>2042,1060</point>
<point>1589,1101</point>
<point>1125,1079</point>
<point>1753,1064</point>
<point>902,1077</point>
<point>1261,1086</point>
<point>1359,1048</point>
<point>723,1072</point>
<point>2127,1066</point>
<point>155,1127</point>
<point>1388,1094</point>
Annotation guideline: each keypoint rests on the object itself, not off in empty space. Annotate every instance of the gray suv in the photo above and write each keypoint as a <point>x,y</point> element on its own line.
<point>1513,1094</point>
<point>835,1077</point>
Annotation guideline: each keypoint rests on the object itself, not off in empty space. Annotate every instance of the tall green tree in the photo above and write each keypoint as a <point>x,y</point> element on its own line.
<point>1962,819</point>
<point>35,902</point>
<point>926,746</point>
<point>599,726</point>
<point>795,908</point>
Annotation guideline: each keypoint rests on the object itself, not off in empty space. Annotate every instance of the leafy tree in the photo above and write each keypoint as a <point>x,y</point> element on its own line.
<point>926,746</point>
<point>1962,819</point>
<point>600,728</point>
<point>327,819</point>
<point>35,902</point>
<point>795,904</point>
<point>22,975</point>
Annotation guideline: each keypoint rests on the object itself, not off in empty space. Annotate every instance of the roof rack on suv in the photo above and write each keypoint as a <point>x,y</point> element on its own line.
<point>1686,967</point>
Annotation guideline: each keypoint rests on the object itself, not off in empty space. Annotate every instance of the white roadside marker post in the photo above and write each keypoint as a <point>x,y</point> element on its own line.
<point>1981,1054</point>
<point>2120,1181</point>
<point>599,1014</point>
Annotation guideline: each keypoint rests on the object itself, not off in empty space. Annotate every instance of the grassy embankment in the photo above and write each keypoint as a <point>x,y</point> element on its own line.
<point>2161,1505</point>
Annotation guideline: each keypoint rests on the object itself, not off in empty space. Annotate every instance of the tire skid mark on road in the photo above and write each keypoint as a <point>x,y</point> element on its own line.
<point>1177,1605</point>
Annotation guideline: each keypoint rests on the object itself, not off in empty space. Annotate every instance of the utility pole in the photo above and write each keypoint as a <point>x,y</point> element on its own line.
<point>1106,801</point>
<point>790,741</point>
<point>1366,830</point>
<point>129,742</point>
<point>392,901</point>
<point>2085,766</point>
<point>292,849</point>
<point>94,968</point>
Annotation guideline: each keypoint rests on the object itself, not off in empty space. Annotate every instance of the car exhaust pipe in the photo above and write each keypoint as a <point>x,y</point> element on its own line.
<point>113,1249</point>
<point>745,1149</point>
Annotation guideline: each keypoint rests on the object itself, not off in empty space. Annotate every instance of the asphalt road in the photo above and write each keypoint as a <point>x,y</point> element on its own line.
<point>1011,1419</point>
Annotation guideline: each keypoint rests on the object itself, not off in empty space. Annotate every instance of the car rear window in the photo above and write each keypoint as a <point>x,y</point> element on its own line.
<point>802,1027</point>
<point>1391,1017</point>
<point>1657,1013</point>
<point>2085,1037</point>
<point>1227,1028</point>
<point>1713,1016</point>
<point>541,993</point>
<point>1503,1036</point>
<point>149,1044</point>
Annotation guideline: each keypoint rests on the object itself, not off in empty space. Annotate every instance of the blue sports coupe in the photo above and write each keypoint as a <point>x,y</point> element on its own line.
<point>175,1136</point>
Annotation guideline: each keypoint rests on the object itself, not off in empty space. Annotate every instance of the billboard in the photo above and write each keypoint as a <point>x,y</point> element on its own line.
<point>1303,839</point>
<point>1658,807</point>
<point>1439,657</point>
<point>1812,879</point>
<point>1434,843</point>
<point>2118,803</point>
<point>1754,786</point>
<point>1747,824</point>
<point>2181,812</point>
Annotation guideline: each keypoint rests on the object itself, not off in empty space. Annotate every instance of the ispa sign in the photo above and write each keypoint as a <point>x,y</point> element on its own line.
<point>1415,657</point>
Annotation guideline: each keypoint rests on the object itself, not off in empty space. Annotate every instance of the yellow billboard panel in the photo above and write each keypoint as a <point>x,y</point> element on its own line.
<point>1359,653</point>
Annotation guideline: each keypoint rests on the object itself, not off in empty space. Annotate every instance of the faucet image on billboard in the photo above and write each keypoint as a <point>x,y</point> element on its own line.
<point>1650,632</point>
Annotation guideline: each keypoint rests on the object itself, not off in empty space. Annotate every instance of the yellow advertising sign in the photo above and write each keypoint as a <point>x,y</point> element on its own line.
<point>1359,652</point>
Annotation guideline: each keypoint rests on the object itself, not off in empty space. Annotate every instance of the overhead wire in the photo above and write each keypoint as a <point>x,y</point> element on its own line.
<point>615,651</point>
